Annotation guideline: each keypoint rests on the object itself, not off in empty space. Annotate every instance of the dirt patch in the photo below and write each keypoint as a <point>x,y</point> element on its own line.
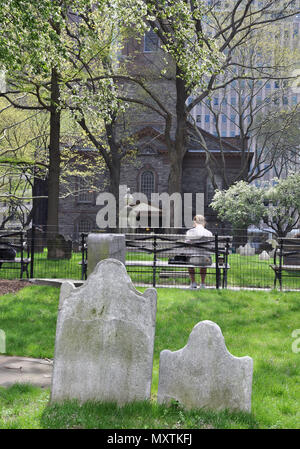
<point>7,286</point>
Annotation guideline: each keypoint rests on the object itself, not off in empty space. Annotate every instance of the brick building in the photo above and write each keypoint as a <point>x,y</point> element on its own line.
<point>148,173</point>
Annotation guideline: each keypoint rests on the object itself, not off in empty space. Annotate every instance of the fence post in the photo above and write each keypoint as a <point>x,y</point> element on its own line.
<point>217,262</point>
<point>83,267</point>
<point>224,284</point>
<point>154,261</point>
<point>32,250</point>
<point>280,264</point>
<point>22,258</point>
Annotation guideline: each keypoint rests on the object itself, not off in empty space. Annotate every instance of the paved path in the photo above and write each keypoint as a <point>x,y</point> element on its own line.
<point>13,370</point>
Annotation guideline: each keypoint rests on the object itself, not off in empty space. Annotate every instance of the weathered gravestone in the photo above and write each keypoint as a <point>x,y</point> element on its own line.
<point>247,250</point>
<point>105,246</point>
<point>104,338</point>
<point>59,248</point>
<point>264,256</point>
<point>240,248</point>
<point>204,374</point>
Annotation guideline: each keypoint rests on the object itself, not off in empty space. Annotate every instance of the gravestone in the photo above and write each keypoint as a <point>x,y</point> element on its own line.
<point>104,338</point>
<point>264,256</point>
<point>105,246</point>
<point>59,248</point>
<point>204,374</point>
<point>247,250</point>
<point>240,248</point>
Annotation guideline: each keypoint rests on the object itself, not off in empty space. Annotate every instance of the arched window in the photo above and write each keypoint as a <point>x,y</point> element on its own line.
<point>151,41</point>
<point>85,195</point>
<point>147,183</point>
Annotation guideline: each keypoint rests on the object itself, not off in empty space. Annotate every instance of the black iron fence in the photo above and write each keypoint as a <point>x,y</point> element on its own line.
<point>244,260</point>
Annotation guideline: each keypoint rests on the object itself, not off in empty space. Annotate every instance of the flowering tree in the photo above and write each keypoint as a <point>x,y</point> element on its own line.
<point>44,47</point>
<point>277,206</point>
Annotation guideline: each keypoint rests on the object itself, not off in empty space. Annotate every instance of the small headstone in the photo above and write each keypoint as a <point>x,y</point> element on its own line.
<point>59,248</point>
<point>247,250</point>
<point>264,256</point>
<point>104,339</point>
<point>204,374</point>
<point>105,246</point>
<point>240,248</point>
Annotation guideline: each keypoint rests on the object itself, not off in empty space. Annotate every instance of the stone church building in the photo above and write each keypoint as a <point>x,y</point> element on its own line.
<point>149,171</point>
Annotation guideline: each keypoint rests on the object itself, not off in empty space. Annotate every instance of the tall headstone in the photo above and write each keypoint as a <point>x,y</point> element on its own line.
<point>104,339</point>
<point>204,374</point>
<point>105,246</point>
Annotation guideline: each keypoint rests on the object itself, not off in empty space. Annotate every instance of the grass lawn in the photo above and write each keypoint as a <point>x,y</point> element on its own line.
<point>245,271</point>
<point>258,324</point>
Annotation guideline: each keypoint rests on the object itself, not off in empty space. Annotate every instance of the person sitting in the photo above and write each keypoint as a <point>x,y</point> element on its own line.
<point>204,257</point>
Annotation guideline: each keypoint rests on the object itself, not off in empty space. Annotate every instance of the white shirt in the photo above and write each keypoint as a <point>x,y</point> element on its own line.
<point>195,233</point>
<point>198,231</point>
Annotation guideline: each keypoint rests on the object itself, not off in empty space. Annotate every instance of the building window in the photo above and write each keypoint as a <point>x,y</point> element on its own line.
<point>84,194</point>
<point>216,101</point>
<point>84,225</point>
<point>198,118</point>
<point>151,41</point>
<point>207,118</point>
<point>147,183</point>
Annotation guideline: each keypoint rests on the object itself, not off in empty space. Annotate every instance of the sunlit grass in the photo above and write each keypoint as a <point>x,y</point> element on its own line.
<point>258,324</point>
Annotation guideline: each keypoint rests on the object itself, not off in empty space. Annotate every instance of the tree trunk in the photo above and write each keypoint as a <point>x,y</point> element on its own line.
<point>40,205</point>
<point>54,167</point>
<point>114,182</point>
<point>177,152</point>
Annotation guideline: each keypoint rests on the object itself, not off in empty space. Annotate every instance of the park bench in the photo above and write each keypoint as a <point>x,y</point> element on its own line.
<point>175,245</point>
<point>15,241</point>
<point>168,246</point>
<point>286,259</point>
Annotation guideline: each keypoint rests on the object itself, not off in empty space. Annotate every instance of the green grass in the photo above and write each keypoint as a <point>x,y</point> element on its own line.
<point>245,271</point>
<point>258,324</point>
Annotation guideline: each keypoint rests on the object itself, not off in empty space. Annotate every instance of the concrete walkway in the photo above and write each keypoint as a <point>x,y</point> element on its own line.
<point>37,372</point>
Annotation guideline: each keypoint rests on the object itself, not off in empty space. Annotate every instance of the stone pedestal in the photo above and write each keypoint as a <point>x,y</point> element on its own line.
<point>105,246</point>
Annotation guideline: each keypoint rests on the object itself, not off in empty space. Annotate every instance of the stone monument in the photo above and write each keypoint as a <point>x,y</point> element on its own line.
<point>204,374</point>
<point>104,339</point>
<point>105,246</point>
